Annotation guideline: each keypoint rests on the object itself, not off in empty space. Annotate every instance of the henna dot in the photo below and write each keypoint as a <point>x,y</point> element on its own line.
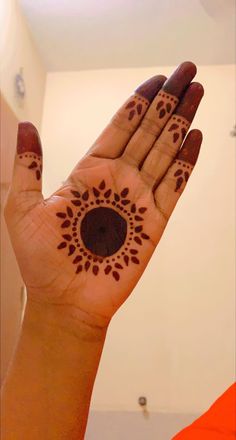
<point>73,229</point>
<point>76,202</point>
<point>133,251</point>
<point>102,185</point>
<point>91,203</point>
<point>96,192</point>
<point>122,253</point>
<point>145,236</point>
<point>87,265</point>
<point>74,234</point>
<point>138,240</point>
<point>107,201</point>
<point>107,270</point>
<point>95,270</point>
<point>118,266</point>
<point>124,192</point>
<point>77,259</point>
<point>76,240</point>
<point>116,275</point>
<point>85,254</point>
<point>90,257</point>
<point>118,256</point>
<point>66,224</point>
<point>67,237</point>
<point>62,245</point>
<point>61,214</point>
<point>102,201</point>
<point>79,214</point>
<point>79,269</point>
<point>126,260</point>
<point>75,193</point>
<point>71,249</point>
<point>135,260</point>
<point>95,259</point>
<point>142,210</point>
<point>107,193</point>
<point>85,195</point>
<point>82,209</point>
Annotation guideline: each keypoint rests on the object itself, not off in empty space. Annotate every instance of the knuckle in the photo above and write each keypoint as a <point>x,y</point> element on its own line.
<point>151,126</point>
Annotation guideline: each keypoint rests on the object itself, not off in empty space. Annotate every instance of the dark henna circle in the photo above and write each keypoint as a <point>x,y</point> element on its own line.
<point>98,236</point>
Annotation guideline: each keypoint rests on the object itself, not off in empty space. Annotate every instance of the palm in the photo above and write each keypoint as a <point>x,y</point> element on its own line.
<point>87,245</point>
<point>85,240</point>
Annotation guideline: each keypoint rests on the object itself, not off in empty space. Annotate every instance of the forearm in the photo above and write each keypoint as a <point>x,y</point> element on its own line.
<point>48,388</point>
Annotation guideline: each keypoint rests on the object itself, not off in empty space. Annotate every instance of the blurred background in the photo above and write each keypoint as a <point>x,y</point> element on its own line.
<point>66,66</point>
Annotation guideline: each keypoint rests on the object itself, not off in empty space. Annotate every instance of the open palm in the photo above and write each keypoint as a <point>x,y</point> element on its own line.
<point>87,245</point>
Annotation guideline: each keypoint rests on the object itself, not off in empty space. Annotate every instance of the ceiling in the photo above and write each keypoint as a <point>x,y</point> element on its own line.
<point>98,34</point>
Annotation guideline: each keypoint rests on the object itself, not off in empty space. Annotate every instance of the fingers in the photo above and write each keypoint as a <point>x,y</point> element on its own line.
<point>27,173</point>
<point>158,114</point>
<point>167,145</point>
<point>114,138</point>
<point>171,187</point>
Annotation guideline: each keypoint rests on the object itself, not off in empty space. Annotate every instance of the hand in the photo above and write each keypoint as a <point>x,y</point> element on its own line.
<point>85,247</point>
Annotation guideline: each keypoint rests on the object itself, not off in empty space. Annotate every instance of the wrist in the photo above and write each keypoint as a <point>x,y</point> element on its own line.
<point>53,319</point>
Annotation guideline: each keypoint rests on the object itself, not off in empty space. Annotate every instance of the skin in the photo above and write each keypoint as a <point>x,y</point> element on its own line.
<point>67,311</point>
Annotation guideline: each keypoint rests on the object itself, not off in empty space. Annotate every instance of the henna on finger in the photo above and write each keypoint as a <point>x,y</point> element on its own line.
<point>158,114</point>
<point>29,150</point>
<point>186,159</point>
<point>103,230</point>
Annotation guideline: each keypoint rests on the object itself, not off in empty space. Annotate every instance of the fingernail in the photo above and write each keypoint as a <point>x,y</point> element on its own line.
<point>151,87</point>
<point>28,140</point>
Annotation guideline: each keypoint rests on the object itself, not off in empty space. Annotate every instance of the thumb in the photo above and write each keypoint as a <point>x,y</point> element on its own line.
<point>27,173</point>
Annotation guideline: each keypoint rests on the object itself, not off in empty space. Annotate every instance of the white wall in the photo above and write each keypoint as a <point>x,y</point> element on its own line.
<point>18,50</point>
<point>173,339</point>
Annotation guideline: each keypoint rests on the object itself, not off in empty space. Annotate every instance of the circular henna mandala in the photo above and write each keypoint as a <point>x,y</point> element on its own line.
<point>102,230</point>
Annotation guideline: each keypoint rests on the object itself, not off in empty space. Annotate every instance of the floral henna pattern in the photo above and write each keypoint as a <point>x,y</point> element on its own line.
<point>102,230</point>
<point>33,162</point>
<point>165,104</point>
<point>136,106</point>
<point>182,173</point>
<point>179,126</point>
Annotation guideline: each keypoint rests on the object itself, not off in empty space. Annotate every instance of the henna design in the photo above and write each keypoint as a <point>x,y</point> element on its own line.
<point>29,150</point>
<point>32,162</point>
<point>165,104</point>
<point>136,106</point>
<point>104,233</point>
<point>179,126</point>
<point>182,174</point>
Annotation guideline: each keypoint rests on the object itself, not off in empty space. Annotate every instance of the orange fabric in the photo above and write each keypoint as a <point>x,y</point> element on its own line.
<point>218,423</point>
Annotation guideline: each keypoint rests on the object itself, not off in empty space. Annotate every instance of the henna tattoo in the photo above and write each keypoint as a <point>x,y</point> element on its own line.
<point>136,106</point>
<point>182,173</point>
<point>179,126</point>
<point>29,150</point>
<point>165,104</point>
<point>105,233</point>
<point>32,162</point>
